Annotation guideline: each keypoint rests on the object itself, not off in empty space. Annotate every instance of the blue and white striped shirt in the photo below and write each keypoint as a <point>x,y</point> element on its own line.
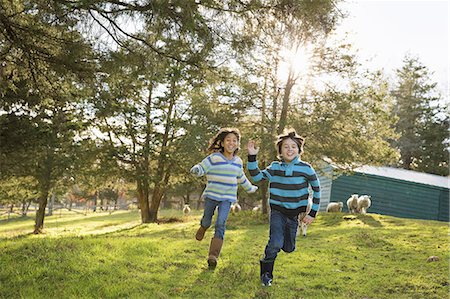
<point>288,185</point>
<point>223,177</point>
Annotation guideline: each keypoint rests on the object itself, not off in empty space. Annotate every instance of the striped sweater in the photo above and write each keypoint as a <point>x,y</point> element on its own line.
<point>223,177</point>
<point>288,185</point>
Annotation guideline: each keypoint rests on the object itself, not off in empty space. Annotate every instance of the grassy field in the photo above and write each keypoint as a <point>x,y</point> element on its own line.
<point>114,256</point>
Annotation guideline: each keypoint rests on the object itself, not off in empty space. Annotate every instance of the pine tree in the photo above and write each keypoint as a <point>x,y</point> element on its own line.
<point>423,132</point>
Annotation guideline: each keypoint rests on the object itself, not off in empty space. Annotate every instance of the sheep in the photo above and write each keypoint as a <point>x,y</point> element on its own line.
<point>352,203</point>
<point>257,209</point>
<point>301,225</point>
<point>364,203</point>
<point>235,208</point>
<point>335,207</point>
<point>186,210</point>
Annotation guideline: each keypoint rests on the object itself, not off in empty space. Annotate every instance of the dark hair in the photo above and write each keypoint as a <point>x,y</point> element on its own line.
<point>290,133</point>
<point>215,142</point>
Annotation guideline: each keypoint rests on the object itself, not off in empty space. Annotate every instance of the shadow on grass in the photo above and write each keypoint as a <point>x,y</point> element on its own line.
<point>18,237</point>
<point>164,220</point>
<point>332,219</point>
<point>16,219</point>
<point>335,219</point>
<point>369,220</point>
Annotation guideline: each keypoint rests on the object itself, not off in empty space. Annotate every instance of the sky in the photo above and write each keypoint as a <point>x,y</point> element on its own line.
<point>385,31</point>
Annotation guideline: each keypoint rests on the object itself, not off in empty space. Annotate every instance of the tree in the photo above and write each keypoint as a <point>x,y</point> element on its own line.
<point>345,110</point>
<point>19,191</point>
<point>152,112</point>
<point>142,103</point>
<point>350,128</point>
<point>423,129</point>
<point>433,155</point>
<point>45,67</point>
<point>38,38</point>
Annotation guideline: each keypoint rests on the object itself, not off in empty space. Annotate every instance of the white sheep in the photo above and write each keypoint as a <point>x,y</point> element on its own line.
<point>257,209</point>
<point>352,203</point>
<point>235,208</point>
<point>301,225</point>
<point>186,210</point>
<point>335,207</point>
<point>364,203</point>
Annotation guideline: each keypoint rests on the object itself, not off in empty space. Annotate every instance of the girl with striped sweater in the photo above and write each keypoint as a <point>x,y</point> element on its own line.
<point>288,187</point>
<point>224,172</point>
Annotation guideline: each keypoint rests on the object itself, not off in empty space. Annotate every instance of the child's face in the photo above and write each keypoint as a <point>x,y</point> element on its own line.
<point>289,150</point>
<point>230,143</point>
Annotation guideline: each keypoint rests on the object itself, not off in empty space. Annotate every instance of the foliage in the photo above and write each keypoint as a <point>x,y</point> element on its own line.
<point>345,112</point>
<point>350,128</point>
<point>46,67</point>
<point>16,190</point>
<point>39,44</point>
<point>422,124</point>
<point>433,156</point>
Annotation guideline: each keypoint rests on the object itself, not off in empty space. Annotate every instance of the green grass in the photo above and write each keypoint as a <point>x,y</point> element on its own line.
<point>114,256</point>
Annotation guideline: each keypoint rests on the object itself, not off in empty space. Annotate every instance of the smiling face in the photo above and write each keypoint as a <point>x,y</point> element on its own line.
<point>230,143</point>
<point>289,150</point>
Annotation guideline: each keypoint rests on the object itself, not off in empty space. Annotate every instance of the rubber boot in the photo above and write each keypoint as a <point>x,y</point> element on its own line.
<point>200,233</point>
<point>266,273</point>
<point>214,251</point>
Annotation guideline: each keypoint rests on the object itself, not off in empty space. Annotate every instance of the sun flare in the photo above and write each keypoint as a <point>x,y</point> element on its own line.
<point>295,60</point>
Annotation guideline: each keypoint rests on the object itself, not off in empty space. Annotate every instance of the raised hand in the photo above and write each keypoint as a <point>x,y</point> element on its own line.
<point>251,147</point>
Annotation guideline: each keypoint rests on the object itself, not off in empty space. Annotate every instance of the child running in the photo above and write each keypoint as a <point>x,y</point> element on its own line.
<point>288,188</point>
<point>224,171</point>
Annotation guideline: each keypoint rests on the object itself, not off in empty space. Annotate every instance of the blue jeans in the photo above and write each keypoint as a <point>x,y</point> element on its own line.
<point>283,231</point>
<point>224,210</point>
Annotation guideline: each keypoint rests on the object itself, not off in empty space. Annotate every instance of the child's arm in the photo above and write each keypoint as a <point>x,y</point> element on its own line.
<point>201,168</point>
<point>315,185</point>
<point>197,170</point>
<point>245,183</point>
<point>252,165</point>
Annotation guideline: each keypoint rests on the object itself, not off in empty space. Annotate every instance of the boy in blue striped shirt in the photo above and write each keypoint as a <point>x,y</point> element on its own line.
<point>224,172</point>
<point>288,187</point>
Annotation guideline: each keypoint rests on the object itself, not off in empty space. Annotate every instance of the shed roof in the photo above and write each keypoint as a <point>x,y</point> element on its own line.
<point>406,175</point>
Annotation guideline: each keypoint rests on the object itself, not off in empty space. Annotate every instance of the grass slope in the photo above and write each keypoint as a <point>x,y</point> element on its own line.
<point>113,256</point>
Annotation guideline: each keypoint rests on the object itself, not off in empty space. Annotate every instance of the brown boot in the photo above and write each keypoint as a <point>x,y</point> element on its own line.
<point>214,251</point>
<point>200,233</point>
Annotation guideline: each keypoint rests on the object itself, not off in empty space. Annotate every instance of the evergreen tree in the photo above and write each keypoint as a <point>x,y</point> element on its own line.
<point>423,142</point>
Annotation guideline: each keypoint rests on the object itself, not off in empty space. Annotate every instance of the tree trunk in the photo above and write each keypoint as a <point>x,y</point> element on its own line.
<point>158,193</point>
<point>284,109</point>
<point>40,214</point>
<point>188,197</point>
<point>44,181</point>
<point>25,206</point>
<point>163,170</point>
<point>143,185</point>
<point>199,202</point>
<point>94,200</point>
<point>407,160</point>
<point>156,199</point>
<point>50,206</point>
<point>143,193</point>
<point>264,185</point>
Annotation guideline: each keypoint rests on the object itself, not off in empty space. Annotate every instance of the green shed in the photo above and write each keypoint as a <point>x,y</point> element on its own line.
<point>396,192</point>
